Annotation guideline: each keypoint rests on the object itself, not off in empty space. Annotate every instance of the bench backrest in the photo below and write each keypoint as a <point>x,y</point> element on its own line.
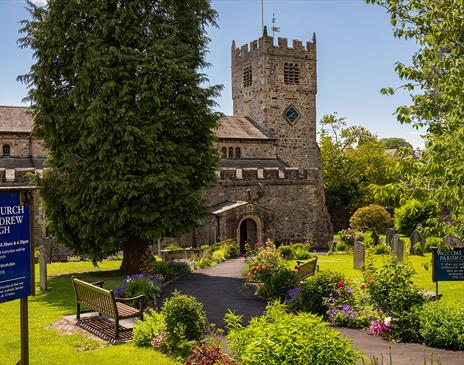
<point>307,269</point>
<point>94,297</point>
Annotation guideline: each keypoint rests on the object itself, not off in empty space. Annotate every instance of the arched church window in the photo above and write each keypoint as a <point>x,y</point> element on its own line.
<point>224,152</point>
<point>6,150</point>
<point>238,153</point>
<point>231,152</point>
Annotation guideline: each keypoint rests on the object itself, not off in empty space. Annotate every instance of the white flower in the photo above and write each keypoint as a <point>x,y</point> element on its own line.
<point>387,322</point>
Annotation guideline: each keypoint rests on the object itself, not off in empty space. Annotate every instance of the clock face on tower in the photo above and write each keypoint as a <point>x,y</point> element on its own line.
<point>291,115</point>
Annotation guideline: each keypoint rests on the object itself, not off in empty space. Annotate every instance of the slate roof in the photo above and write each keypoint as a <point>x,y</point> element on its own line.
<point>21,163</point>
<point>259,163</point>
<point>15,119</point>
<point>234,127</point>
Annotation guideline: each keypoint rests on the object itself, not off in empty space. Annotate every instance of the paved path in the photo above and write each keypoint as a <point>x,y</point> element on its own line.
<point>220,288</point>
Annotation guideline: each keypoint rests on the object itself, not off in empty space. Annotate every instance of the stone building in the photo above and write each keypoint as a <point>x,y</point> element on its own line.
<point>270,182</point>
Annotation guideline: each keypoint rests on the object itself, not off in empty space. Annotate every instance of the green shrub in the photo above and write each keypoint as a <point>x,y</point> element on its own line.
<point>147,285</point>
<point>168,270</point>
<point>301,254</point>
<point>370,218</point>
<point>412,213</point>
<point>278,337</point>
<point>184,317</point>
<point>172,247</point>
<point>278,283</point>
<point>432,242</point>
<point>231,248</point>
<point>441,325</point>
<point>381,249</point>
<point>341,246</point>
<point>219,255</point>
<point>405,325</point>
<point>145,330</point>
<point>350,236</point>
<point>390,286</point>
<point>204,247</point>
<point>286,252</point>
<point>314,290</point>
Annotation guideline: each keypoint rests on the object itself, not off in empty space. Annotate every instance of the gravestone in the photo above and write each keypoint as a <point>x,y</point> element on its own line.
<point>358,255</point>
<point>43,268</point>
<point>416,238</point>
<point>389,237</point>
<point>398,247</point>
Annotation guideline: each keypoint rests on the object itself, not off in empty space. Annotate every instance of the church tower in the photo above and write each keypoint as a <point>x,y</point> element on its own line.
<point>276,86</point>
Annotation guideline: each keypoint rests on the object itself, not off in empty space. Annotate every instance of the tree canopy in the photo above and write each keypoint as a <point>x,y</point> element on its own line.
<point>118,96</point>
<point>435,79</point>
<point>395,143</point>
<point>352,159</point>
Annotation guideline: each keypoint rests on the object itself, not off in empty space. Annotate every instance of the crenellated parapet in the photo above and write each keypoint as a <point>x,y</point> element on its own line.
<point>265,44</point>
<point>18,176</point>
<point>268,176</point>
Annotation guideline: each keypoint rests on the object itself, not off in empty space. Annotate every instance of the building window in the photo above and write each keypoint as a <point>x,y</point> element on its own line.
<point>291,73</point>
<point>247,76</point>
<point>224,152</point>
<point>231,152</point>
<point>6,150</point>
<point>238,153</point>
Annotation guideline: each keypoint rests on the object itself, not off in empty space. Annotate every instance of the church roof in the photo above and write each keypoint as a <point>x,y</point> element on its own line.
<point>234,127</point>
<point>15,119</point>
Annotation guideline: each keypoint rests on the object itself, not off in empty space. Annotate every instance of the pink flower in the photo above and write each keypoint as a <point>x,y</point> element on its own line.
<point>387,322</point>
<point>340,283</point>
<point>257,245</point>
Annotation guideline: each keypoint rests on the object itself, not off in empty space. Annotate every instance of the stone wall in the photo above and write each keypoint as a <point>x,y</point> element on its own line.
<point>250,148</point>
<point>23,145</point>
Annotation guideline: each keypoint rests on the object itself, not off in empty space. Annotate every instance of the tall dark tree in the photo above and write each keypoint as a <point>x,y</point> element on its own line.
<point>118,96</point>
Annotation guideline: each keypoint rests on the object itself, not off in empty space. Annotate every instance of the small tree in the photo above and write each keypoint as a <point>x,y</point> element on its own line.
<point>115,90</point>
<point>371,218</point>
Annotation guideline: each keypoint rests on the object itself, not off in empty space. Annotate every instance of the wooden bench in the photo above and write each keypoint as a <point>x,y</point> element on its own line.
<point>103,301</point>
<point>306,269</point>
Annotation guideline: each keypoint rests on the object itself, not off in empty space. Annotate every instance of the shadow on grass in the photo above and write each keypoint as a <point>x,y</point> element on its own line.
<point>61,292</point>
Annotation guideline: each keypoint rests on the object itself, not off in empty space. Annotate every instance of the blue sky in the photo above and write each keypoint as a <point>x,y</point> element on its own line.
<point>356,55</point>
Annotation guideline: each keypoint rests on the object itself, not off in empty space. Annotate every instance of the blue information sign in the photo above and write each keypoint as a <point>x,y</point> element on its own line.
<point>448,266</point>
<point>15,259</point>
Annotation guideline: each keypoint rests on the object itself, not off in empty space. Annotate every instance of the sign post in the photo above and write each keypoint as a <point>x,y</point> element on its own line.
<point>447,266</point>
<point>16,261</point>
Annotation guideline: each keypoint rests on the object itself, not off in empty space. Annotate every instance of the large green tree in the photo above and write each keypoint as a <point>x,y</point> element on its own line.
<point>118,95</point>
<point>435,77</point>
<point>352,159</point>
<point>395,143</point>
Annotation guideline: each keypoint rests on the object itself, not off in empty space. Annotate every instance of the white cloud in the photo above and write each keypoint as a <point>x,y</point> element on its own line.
<point>39,2</point>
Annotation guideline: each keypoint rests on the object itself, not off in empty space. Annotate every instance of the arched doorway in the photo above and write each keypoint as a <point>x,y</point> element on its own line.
<point>248,233</point>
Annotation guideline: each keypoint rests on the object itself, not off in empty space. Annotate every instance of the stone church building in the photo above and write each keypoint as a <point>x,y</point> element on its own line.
<point>270,183</point>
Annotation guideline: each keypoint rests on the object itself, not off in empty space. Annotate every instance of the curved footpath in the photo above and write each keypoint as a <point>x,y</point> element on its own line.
<point>220,288</point>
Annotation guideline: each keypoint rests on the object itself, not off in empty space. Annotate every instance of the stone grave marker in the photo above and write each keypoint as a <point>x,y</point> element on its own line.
<point>359,255</point>
<point>389,237</point>
<point>416,238</point>
<point>398,247</point>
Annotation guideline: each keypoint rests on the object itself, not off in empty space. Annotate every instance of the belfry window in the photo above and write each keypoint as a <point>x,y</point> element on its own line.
<point>231,152</point>
<point>247,76</point>
<point>238,153</point>
<point>291,73</point>
<point>6,150</point>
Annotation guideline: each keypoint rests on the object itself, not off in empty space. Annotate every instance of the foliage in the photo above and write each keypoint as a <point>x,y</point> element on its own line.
<point>350,236</point>
<point>302,338</point>
<point>346,307</point>
<point>148,285</point>
<point>277,282</point>
<point>434,80</point>
<point>118,96</point>
<point>441,324</point>
<point>342,247</point>
<point>380,249</point>
<point>144,331</point>
<point>395,143</point>
<point>371,218</point>
<point>390,286</point>
<point>220,252</point>
<point>172,247</point>
<point>405,325</point>
<point>207,355</point>
<point>300,253</point>
<point>413,213</point>
<point>313,290</point>
<point>167,269</point>
<point>352,159</point>
<point>185,318</point>
<point>286,252</point>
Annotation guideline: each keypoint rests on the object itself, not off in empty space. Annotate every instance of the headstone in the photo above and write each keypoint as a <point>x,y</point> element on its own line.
<point>358,255</point>
<point>43,268</point>
<point>389,237</point>
<point>398,247</point>
<point>416,238</point>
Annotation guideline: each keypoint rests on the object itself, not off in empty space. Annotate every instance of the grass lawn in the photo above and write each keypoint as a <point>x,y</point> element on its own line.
<point>452,291</point>
<point>50,347</point>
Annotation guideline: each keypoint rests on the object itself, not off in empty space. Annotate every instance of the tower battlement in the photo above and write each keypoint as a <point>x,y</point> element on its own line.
<point>265,44</point>
<point>18,176</point>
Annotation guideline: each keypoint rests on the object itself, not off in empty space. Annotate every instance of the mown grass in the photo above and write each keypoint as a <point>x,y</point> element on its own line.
<point>451,291</point>
<point>50,347</point>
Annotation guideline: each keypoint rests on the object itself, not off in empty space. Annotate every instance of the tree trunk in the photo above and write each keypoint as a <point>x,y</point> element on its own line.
<point>133,251</point>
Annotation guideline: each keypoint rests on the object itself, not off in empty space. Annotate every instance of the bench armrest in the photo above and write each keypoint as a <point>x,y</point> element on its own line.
<point>98,283</point>
<point>138,297</point>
